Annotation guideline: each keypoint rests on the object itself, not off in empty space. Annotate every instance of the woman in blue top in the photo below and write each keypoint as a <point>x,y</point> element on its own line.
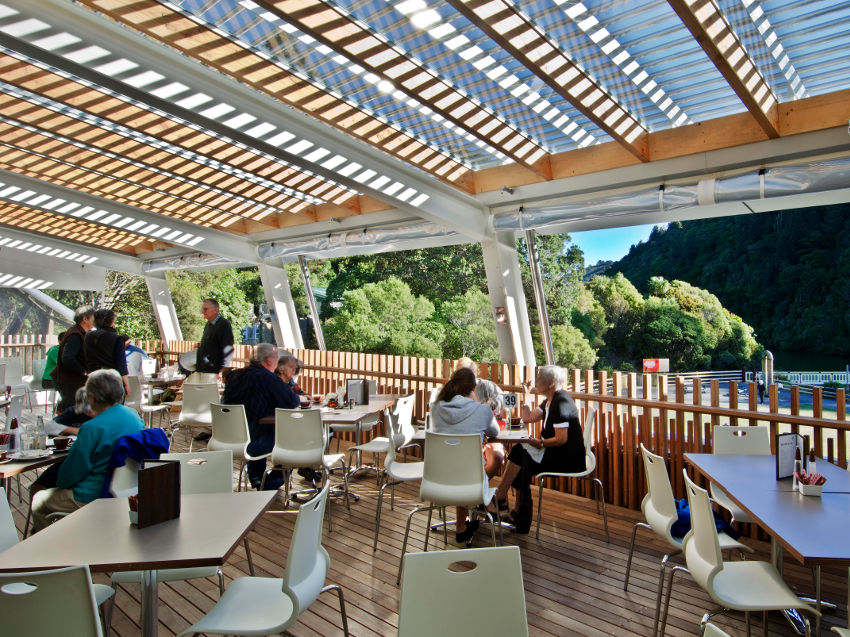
<point>81,475</point>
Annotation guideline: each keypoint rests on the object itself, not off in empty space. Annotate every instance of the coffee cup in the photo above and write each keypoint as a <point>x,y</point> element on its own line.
<point>61,442</point>
<point>305,402</point>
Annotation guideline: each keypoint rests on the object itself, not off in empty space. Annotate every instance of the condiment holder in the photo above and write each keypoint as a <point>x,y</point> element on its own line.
<point>811,489</point>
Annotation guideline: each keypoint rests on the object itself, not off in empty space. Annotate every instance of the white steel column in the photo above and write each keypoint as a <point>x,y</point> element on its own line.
<point>163,307</point>
<point>279,299</point>
<point>504,283</point>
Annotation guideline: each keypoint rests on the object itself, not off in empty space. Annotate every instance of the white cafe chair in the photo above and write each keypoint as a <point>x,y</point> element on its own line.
<point>35,385</point>
<point>59,601</point>
<point>659,509</point>
<point>395,472</point>
<point>738,440</point>
<point>460,601</point>
<point>9,537</point>
<point>230,432</point>
<point>452,475</point>
<point>200,472</point>
<point>300,440</point>
<point>195,412</point>
<point>14,376</point>
<point>589,469</point>
<point>745,585</point>
<point>140,400</point>
<point>267,605</point>
<point>403,411</point>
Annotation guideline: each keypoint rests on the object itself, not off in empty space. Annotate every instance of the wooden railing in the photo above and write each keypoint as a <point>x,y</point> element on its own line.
<point>676,422</point>
<point>27,347</point>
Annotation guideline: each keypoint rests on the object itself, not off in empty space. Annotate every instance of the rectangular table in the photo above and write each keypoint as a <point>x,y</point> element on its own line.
<point>812,529</point>
<point>206,533</point>
<point>17,467</point>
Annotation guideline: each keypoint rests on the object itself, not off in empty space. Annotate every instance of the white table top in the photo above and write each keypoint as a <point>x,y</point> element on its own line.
<point>100,535</point>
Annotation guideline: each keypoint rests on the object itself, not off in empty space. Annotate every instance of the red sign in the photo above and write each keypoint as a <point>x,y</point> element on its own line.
<point>653,365</point>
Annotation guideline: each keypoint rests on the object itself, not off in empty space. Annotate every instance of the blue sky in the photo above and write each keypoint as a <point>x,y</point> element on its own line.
<point>609,244</point>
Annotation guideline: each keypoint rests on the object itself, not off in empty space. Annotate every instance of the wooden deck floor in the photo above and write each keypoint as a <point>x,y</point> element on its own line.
<point>573,578</point>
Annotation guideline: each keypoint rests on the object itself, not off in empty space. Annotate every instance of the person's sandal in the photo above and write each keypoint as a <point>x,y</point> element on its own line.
<point>465,537</point>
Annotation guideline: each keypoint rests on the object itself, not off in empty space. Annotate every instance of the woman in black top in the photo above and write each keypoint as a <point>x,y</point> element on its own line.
<point>560,447</point>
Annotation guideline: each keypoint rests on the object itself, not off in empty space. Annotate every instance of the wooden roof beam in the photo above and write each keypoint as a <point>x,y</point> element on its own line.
<point>324,23</point>
<point>543,57</point>
<point>715,35</point>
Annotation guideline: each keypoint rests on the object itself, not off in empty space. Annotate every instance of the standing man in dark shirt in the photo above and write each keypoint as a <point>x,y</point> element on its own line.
<point>70,370</point>
<point>216,349</point>
<point>261,391</point>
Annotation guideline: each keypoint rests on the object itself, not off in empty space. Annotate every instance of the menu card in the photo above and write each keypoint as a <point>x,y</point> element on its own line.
<point>786,454</point>
<point>159,492</point>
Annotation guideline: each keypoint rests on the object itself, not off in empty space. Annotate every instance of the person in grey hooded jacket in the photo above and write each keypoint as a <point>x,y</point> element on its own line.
<point>456,412</point>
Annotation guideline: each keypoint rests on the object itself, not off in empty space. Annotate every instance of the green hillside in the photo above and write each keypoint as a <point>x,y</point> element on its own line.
<point>784,273</point>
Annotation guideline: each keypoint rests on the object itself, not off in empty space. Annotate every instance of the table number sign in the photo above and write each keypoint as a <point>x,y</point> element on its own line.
<point>511,401</point>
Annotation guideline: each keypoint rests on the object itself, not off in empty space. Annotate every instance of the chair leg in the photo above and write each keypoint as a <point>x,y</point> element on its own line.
<point>667,599</point>
<point>600,491</point>
<point>27,524</point>
<point>428,528</point>
<point>445,528</point>
<point>378,516</point>
<point>632,551</point>
<point>107,615</point>
<point>539,507</point>
<point>248,555</point>
<point>404,542</point>
<point>220,583</point>
<point>338,590</point>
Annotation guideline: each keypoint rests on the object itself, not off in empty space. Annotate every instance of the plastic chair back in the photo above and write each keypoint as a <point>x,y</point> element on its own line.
<point>496,574</point>
<point>197,398</point>
<point>744,440</point>
<point>35,383</point>
<point>14,370</point>
<point>701,545</point>
<point>307,562</point>
<point>589,427</point>
<point>229,427</point>
<point>373,386</point>
<point>148,366</point>
<point>404,418</point>
<point>710,630</point>
<point>8,531</point>
<point>432,398</point>
<point>67,594</point>
<point>453,473</point>
<point>134,398</point>
<point>299,438</point>
<point>125,479</point>
<point>394,430</point>
<point>202,378</point>
<point>658,506</point>
<point>205,471</point>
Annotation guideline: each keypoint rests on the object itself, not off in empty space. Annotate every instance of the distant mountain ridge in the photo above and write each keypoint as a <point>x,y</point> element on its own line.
<point>785,273</point>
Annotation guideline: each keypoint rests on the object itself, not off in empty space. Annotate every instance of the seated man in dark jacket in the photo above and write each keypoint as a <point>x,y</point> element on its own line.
<point>261,391</point>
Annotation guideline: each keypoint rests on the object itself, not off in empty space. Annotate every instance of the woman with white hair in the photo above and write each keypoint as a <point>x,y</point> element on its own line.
<point>81,476</point>
<point>560,447</point>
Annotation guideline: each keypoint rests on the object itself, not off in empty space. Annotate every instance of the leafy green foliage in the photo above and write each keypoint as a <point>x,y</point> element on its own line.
<point>189,289</point>
<point>571,348</point>
<point>468,321</point>
<point>385,318</point>
<point>785,272</point>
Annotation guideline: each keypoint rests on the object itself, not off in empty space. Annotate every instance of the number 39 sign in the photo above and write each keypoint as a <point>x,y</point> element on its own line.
<point>511,401</point>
